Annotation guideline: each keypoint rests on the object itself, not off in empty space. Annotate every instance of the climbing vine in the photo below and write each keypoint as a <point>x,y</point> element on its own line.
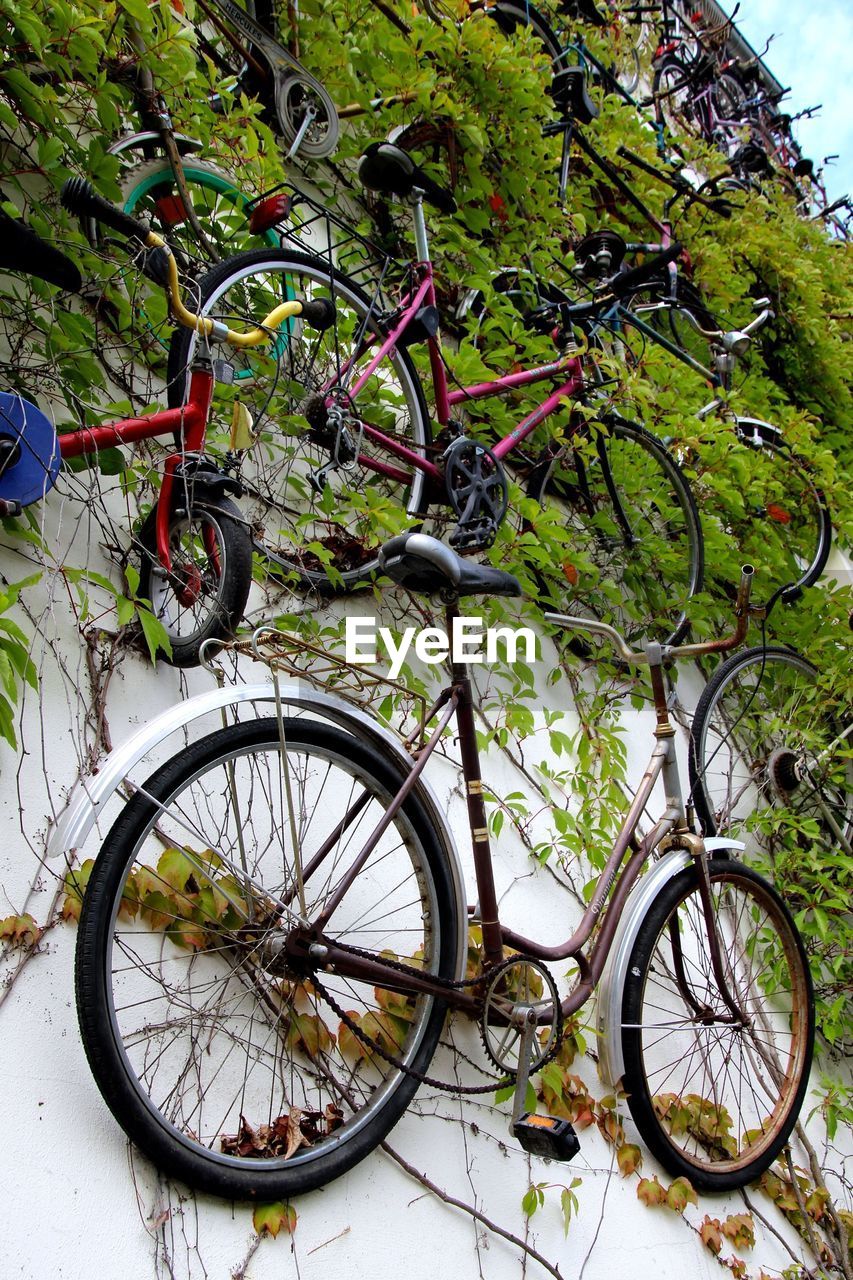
<point>64,75</point>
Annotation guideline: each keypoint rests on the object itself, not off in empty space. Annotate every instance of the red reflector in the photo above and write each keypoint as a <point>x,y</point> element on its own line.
<point>170,211</point>
<point>269,212</point>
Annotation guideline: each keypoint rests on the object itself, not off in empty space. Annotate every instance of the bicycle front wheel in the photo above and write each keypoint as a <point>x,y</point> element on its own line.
<point>321,494</point>
<point>715,1079</point>
<point>202,596</point>
<point>632,550</point>
<point>228,1064</point>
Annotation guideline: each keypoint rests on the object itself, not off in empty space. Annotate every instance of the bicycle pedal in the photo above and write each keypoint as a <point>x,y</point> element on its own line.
<point>546,1136</point>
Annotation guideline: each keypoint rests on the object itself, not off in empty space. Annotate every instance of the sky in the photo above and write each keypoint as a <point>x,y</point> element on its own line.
<point>813,53</point>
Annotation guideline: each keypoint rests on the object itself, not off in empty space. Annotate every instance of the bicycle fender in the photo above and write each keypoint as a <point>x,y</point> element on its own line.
<point>186,145</point>
<point>83,810</point>
<point>611,1064</point>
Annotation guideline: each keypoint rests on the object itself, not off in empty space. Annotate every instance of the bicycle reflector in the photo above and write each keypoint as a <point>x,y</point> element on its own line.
<point>269,212</point>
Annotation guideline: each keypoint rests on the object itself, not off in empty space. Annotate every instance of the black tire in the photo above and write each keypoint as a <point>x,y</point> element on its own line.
<point>197,1037</point>
<point>729,104</point>
<point>673,91</point>
<point>327,540</point>
<point>510,16</point>
<point>715,1101</point>
<point>760,713</point>
<point>787,519</point>
<point>203,596</point>
<point>621,504</point>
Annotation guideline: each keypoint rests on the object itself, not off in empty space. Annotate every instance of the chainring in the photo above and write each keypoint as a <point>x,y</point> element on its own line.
<point>520,983</point>
<point>477,492</point>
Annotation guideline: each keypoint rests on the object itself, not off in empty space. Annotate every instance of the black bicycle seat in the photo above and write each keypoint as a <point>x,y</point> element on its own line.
<point>571,98</point>
<point>23,251</point>
<point>393,172</point>
<point>422,563</point>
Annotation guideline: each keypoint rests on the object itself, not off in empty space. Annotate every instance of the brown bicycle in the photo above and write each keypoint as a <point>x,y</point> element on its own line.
<point>276,927</point>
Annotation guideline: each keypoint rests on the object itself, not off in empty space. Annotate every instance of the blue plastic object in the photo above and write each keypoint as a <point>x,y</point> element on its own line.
<point>33,465</point>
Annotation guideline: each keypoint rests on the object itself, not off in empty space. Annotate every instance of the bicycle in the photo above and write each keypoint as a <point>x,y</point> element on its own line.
<point>274,930</point>
<point>785,504</point>
<point>195,551</point>
<point>344,449</point>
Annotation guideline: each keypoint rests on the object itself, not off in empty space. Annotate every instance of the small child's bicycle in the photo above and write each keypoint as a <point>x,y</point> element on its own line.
<point>194,545</point>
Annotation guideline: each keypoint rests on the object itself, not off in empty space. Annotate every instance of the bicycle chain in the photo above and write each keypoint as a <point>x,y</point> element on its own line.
<point>449,984</point>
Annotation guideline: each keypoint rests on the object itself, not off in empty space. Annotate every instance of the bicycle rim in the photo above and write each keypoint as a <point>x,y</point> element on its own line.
<point>787,525</point>
<point>760,718</point>
<point>321,526</point>
<point>223,1063</point>
<point>716,1092</point>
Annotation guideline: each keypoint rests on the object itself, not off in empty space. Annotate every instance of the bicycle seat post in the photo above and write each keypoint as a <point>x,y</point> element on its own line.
<point>419,221</point>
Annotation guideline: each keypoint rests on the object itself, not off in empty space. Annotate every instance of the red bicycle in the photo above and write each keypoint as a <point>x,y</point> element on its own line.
<point>194,545</point>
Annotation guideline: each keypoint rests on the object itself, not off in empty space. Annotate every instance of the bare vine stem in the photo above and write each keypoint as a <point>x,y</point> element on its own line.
<point>474,1212</point>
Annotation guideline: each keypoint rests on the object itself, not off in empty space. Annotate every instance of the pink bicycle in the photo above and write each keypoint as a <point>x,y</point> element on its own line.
<point>343,451</point>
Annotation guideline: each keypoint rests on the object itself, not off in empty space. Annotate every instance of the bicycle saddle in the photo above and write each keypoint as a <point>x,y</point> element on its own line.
<point>21,250</point>
<point>393,172</point>
<point>571,98</point>
<point>421,563</point>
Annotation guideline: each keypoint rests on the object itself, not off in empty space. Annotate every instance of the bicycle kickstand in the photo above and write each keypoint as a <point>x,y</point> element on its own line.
<point>545,1136</point>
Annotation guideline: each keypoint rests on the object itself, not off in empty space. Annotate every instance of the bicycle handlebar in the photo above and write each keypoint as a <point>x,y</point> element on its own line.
<point>742,611</point>
<point>79,197</point>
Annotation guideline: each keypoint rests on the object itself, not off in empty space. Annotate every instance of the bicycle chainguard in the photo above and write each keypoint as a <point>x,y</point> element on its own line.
<point>547,1136</point>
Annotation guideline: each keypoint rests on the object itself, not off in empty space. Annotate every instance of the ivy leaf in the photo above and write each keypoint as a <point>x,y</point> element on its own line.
<point>710,1234</point>
<point>650,1191</point>
<point>20,931</point>
<point>629,1157</point>
<point>740,1229</point>
<point>680,1193</point>
<point>269,1219</point>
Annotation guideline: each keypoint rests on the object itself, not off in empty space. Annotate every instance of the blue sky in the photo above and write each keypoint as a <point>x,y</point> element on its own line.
<point>813,53</point>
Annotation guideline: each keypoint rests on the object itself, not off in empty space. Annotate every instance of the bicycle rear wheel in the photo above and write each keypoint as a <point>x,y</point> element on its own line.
<point>716,1093</point>
<point>760,719</point>
<point>786,519</point>
<point>321,526</point>
<point>632,543</point>
<point>219,1057</point>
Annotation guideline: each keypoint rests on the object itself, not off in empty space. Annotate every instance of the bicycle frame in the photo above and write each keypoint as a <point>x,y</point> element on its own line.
<point>672,830</point>
<point>423,295</point>
<point>188,424</point>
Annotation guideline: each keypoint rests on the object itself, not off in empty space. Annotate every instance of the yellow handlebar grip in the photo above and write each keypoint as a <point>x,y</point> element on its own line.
<point>255,337</point>
<point>207,327</point>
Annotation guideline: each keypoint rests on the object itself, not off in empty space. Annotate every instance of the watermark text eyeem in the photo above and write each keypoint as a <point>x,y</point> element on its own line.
<point>469,642</point>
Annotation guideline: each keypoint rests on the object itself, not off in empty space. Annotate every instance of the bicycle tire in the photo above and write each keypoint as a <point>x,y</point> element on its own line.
<point>301,531</point>
<point>201,952</point>
<point>715,1101</point>
<point>149,190</point>
<point>641,585</point>
<point>761,709</point>
<point>672,94</point>
<point>788,504</point>
<point>204,595</point>
<point>729,103</point>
